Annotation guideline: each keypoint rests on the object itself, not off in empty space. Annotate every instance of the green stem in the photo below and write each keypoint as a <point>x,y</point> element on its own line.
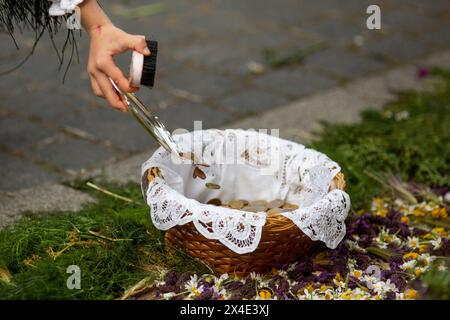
<point>109,193</point>
<point>106,238</point>
<point>436,223</point>
<point>382,253</point>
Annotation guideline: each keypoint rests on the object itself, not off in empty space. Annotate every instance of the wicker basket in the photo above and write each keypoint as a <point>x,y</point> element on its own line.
<point>281,242</point>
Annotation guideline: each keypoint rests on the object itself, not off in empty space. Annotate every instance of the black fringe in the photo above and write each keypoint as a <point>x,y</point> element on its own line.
<point>20,15</point>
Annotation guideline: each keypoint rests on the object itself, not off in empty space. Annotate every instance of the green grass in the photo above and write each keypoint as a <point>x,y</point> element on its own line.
<point>415,149</point>
<point>109,262</point>
<point>115,244</point>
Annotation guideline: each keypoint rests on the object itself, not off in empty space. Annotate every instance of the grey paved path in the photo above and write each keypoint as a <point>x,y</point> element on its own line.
<point>51,132</point>
<point>49,197</point>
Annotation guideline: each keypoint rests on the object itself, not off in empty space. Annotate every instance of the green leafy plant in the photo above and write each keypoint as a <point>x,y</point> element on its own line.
<point>437,280</point>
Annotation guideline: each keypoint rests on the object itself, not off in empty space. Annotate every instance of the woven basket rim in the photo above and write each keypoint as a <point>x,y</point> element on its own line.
<point>287,242</point>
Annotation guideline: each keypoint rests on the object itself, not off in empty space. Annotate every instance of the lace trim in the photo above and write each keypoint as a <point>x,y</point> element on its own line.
<point>324,220</point>
<point>240,231</point>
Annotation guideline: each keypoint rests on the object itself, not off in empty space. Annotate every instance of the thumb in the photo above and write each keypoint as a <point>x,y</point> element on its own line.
<point>139,44</point>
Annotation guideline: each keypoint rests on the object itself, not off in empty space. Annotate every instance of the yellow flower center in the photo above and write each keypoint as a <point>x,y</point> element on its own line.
<point>419,212</point>
<point>440,213</point>
<point>410,255</point>
<point>411,294</point>
<point>405,219</point>
<point>347,295</point>
<point>382,212</point>
<point>439,231</point>
<point>265,294</point>
<point>323,288</point>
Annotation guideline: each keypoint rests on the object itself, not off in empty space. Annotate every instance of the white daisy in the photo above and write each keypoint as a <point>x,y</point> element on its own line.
<point>413,242</point>
<point>425,258</point>
<point>382,287</point>
<point>192,286</point>
<point>408,265</point>
<point>168,295</point>
<point>437,243</point>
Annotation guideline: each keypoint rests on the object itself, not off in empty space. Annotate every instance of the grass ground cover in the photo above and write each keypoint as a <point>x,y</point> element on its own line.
<point>113,242</point>
<point>410,138</point>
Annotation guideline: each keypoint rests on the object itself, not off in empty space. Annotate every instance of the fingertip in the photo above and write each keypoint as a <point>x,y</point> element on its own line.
<point>126,87</point>
<point>132,89</point>
<point>122,106</point>
<point>124,109</point>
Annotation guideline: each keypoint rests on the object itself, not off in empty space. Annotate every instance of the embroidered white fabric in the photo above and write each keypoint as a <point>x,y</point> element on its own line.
<point>61,7</point>
<point>246,165</point>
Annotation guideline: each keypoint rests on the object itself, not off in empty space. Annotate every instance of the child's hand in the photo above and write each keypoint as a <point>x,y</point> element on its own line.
<point>106,42</point>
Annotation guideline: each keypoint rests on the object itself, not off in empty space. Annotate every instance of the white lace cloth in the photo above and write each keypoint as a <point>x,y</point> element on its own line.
<point>61,7</point>
<point>247,165</point>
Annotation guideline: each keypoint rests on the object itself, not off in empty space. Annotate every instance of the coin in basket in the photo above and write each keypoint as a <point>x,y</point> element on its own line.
<point>254,208</point>
<point>261,208</point>
<point>210,185</point>
<point>198,173</point>
<point>275,210</point>
<point>250,209</point>
<point>215,202</point>
<point>259,203</point>
<point>236,204</point>
<point>290,206</point>
<point>275,204</point>
<point>188,156</point>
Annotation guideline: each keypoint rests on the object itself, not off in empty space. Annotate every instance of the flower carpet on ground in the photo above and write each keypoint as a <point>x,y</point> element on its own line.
<point>385,254</point>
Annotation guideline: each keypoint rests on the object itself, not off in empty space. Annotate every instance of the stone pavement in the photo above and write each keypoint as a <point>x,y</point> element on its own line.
<point>49,197</point>
<point>51,132</point>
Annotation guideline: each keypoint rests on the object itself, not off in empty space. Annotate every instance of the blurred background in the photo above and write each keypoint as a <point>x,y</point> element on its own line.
<point>218,61</point>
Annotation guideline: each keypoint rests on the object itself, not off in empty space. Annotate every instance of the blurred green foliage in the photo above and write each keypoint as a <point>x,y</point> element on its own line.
<point>409,138</point>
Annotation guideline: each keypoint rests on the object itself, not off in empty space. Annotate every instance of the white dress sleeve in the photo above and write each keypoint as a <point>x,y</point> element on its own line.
<point>61,7</point>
